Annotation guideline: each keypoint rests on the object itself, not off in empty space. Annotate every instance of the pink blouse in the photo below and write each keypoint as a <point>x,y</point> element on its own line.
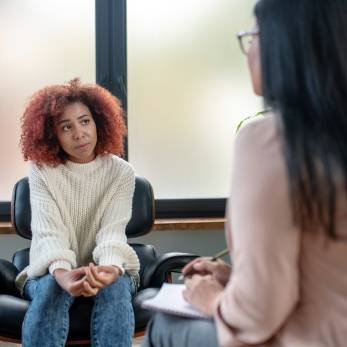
<point>288,288</point>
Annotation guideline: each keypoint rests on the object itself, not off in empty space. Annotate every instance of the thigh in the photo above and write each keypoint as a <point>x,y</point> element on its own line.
<point>168,331</point>
<point>46,292</point>
<point>30,289</point>
<point>46,321</point>
<point>115,301</point>
<point>123,288</point>
<point>113,320</point>
<point>43,284</point>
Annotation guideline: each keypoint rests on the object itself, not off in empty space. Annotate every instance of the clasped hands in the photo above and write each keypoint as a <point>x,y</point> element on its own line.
<point>87,280</point>
<point>205,281</point>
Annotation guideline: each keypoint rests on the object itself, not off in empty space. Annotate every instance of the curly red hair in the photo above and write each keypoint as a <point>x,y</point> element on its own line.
<point>39,141</point>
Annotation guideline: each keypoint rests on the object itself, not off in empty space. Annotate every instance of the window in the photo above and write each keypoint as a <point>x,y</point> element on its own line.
<point>41,43</point>
<point>187,89</point>
<point>175,65</point>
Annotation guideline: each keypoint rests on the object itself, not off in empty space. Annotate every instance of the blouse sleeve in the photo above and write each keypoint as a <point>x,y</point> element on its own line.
<point>111,241</point>
<point>263,288</point>
<point>50,247</point>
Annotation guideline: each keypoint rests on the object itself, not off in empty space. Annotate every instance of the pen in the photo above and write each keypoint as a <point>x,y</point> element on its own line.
<point>214,258</point>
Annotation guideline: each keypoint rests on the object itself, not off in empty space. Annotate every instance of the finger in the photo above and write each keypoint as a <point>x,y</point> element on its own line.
<point>95,272</point>
<point>78,273</point>
<point>100,276</point>
<point>221,261</point>
<point>88,289</point>
<point>106,268</point>
<point>92,280</point>
<point>77,291</point>
<point>108,278</point>
<point>87,294</point>
<point>109,272</point>
<point>188,268</point>
<point>94,269</point>
<point>206,266</point>
<point>76,295</point>
<point>77,285</point>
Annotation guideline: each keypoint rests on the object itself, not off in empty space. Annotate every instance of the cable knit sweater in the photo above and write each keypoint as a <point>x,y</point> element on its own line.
<point>79,215</point>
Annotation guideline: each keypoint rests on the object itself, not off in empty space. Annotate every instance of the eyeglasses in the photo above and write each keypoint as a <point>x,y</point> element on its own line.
<point>246,38</point>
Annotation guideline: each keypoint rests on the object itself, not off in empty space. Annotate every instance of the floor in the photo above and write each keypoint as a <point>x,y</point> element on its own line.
<point>136,343</point>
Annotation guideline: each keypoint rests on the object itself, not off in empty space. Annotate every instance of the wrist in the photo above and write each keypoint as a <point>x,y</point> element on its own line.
<point>58,272</point>
<point>59,264</point>
<point>119,270</point>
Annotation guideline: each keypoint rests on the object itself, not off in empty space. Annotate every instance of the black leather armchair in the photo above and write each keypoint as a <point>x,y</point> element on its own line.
<point>154,269</point>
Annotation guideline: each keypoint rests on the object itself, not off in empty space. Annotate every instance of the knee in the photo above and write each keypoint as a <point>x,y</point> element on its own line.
<point>119,290</point>
<point>47,283</point>
<point>121,286</point>
<point>48,291</point>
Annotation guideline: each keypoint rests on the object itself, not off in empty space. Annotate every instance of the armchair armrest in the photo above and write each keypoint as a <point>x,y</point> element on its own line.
<point>157,272</point>
<point>8,273</point>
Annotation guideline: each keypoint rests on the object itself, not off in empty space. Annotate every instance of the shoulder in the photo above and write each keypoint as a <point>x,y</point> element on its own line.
<point>259,133</point>
<point>260,137</point>
<point>117,166</point>
<point>43,171</point>
<point>259,150</point>
<point>42,179</point>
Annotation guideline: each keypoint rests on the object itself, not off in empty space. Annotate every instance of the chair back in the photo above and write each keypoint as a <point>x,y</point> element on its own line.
<point>141,221</point>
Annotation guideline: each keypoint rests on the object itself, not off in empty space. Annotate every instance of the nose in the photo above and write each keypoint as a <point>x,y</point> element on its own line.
<point>78,133</point>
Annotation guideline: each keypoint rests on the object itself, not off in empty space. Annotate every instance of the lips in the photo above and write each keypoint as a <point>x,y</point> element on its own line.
<point>82,147</point>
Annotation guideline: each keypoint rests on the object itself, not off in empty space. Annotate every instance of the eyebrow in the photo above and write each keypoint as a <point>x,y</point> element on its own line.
<point>68,120</point>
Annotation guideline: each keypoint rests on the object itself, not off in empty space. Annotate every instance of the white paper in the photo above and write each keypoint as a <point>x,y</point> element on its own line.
<point>170,300</point>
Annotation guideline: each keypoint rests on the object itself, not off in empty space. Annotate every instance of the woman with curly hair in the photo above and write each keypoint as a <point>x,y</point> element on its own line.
<point>81,197</point>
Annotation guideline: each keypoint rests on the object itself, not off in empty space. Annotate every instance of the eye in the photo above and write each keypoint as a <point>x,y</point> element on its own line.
<point>66,127</point>
<point>85,121</point>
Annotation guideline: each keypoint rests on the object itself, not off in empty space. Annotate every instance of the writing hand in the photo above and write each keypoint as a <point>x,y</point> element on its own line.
<point>205,266</point>
<point>202,292</point>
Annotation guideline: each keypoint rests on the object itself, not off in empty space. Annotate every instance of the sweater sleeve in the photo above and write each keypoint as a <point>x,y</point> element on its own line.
<point>263,288</point>
<point>111,242</point>
<point>50,247</point>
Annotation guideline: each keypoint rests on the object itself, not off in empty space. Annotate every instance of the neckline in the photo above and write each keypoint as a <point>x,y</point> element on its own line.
<point>83,167</point>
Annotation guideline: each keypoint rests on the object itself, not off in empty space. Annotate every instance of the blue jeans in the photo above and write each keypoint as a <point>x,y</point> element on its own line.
<point>166,330</point>
<point>46,322</point>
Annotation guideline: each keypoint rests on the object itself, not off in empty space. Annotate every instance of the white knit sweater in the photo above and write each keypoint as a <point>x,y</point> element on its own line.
<point>79,215</point>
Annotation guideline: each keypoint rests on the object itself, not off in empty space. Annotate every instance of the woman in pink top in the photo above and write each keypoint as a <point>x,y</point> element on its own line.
<point>287,215</point>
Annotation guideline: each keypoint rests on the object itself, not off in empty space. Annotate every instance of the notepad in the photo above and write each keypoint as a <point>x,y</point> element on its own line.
<point>170,300</point>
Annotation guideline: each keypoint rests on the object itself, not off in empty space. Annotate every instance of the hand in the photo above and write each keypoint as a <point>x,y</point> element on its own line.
<point>205,266</point>
<point>87,280</point>
<point>202,292</point>
<point>71,281</point>
<point>101,276</point>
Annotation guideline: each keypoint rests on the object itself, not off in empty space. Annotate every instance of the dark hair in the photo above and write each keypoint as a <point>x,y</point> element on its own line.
<point>39,141</point>
<point>304,79</point>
